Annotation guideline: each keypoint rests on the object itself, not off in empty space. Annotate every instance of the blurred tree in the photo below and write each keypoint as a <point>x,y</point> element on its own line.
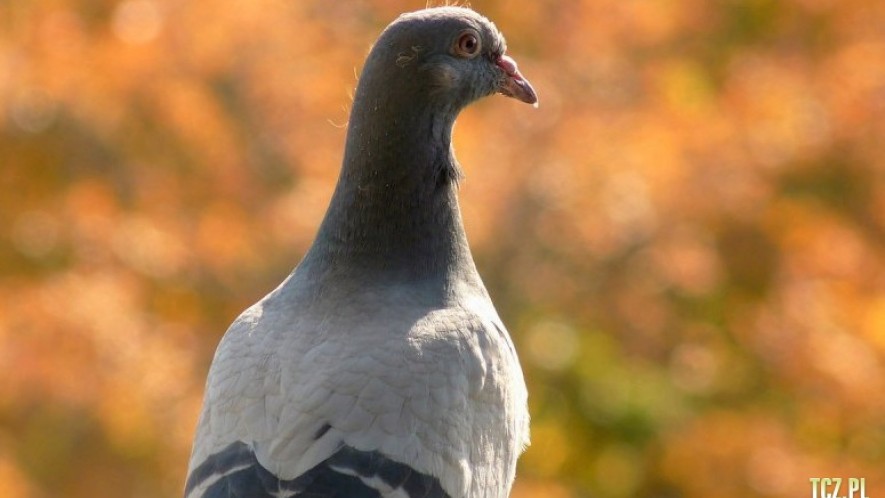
<point>686,239</point>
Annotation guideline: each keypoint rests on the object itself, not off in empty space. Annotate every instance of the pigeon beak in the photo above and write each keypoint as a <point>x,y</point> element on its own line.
<point>514,85</point>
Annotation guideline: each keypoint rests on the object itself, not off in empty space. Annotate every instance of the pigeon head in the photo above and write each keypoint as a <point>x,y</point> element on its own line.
<point>445,58</point>
<point>457,54</point>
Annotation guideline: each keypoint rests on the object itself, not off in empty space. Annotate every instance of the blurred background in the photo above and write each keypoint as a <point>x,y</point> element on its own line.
<point>686,239</point>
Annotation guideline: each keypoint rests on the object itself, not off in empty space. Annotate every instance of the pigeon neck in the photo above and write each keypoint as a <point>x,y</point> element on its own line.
<point>394,214</point>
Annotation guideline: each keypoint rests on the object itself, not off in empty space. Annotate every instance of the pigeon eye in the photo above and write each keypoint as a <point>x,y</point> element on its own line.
<point>468,44</point>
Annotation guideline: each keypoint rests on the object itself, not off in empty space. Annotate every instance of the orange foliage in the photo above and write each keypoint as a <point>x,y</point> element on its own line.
<point>686,239</point>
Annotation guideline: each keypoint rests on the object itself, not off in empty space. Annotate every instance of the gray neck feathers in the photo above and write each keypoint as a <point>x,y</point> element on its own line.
<point>394,214</point>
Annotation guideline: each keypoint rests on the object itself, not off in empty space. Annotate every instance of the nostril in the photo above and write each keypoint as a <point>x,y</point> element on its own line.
<point>508,65</point>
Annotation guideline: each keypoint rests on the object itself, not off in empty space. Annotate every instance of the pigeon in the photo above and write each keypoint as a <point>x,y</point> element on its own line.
<point>379,367</point>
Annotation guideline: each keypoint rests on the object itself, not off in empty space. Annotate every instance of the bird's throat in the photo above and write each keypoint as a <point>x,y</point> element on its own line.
<point>394,214</point>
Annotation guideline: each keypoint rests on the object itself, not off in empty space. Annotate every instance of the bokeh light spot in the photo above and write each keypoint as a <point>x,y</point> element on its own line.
<point>137,21</point>
<point>553,345</point>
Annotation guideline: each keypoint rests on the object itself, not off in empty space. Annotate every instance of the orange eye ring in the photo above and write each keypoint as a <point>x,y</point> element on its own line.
<point>468,44</point>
